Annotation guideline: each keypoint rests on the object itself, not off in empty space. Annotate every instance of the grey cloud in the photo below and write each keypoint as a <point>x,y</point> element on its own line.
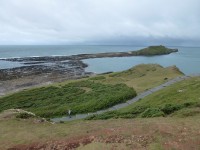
<point>99,21</point>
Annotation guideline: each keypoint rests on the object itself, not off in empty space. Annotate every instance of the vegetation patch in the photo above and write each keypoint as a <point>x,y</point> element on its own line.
<point>170,108</point>
<point>188,112</point>
<point>167,102</point>
<point>55,101</point>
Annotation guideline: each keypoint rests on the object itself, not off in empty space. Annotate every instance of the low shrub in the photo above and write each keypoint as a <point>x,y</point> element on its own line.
<point>189,104</point>
<point>152,112</point>
<point>24,115</point>
<point>170,108</point>
<point>139,109</point>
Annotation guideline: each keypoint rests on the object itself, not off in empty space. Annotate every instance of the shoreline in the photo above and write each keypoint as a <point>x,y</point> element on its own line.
<point>51,69</point>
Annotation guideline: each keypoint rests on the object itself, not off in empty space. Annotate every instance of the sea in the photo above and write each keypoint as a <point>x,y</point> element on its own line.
<point>187,59</point>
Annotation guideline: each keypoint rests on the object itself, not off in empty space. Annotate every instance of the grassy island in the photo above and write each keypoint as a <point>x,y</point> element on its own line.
<point>155,50</point>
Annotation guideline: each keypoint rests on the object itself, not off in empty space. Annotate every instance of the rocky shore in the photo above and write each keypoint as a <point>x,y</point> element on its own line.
<point>71,69</point>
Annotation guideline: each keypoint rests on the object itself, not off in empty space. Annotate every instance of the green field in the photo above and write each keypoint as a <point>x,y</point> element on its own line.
<point>181,99</point>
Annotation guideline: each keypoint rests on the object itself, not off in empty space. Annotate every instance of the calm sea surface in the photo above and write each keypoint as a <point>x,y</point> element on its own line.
<point>187,59</point>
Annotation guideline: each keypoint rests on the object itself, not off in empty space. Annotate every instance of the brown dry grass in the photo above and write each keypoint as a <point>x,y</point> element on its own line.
<point>153,133</point>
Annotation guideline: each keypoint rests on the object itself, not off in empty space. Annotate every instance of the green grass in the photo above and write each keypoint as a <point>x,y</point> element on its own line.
<point>81,97</point>
<point>141,77</point>
<point>182,99</point>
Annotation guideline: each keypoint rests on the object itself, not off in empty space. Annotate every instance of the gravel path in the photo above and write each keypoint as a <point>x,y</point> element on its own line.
<point>122,105</point>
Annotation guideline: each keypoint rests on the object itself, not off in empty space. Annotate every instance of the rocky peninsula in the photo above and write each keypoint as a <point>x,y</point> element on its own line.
<point>41,70</point>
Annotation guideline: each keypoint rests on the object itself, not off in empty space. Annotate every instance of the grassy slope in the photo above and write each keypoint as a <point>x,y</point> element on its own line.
<point>140,77</point>
<point>81,97</point>
<point>143,77</point>
<point>149,133</point>
<point>88,95</point>
<point>181,99</point>
<point>182,131</point>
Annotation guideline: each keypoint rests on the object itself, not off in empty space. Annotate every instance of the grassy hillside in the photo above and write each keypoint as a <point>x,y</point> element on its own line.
<point>181,99</point>
<point>144,76</point>
<point>140,77</point>
<point>90,94</point>
<point>140,134</point>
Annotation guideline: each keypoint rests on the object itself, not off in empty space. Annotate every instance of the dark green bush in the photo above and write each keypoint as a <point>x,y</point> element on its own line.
<point>170,108</point>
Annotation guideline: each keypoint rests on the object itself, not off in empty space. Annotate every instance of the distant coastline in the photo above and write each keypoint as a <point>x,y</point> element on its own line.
<point>45,70</point>
<point>71,66</point>
<point>149,51</point>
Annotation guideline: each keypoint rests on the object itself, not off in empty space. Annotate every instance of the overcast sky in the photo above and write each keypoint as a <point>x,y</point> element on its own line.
<point>136,22</point>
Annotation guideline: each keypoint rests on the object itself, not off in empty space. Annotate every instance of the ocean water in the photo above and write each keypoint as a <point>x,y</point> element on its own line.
<point>59,50</point>
<point>187,59</point>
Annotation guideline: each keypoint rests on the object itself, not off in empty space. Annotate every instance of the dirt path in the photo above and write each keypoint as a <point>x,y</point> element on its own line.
<point>122,105</point>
